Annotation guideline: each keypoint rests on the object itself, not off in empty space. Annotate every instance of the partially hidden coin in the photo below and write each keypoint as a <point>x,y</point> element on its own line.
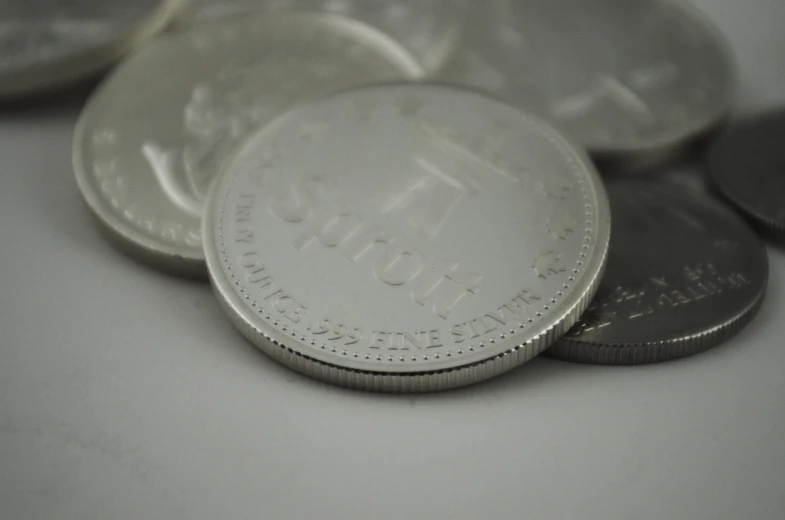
<point>684,274</point>
<point>423,238</point>
<point>747,165</point>
<point>49,43</point>
<point>429,29</point>
<point>150,141</point>
<point>634,81</point>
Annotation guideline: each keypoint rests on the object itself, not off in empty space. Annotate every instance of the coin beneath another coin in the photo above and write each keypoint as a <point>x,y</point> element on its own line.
<point>406,238</point>
<point>152,138</point>
<point>631,80</point>
<point>429,29</point>
<point>747,165</point>
<point>45,44</point>
<point>684,274</point>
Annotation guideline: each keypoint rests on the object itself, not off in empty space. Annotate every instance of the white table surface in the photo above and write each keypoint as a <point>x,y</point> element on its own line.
<point>125,393</point>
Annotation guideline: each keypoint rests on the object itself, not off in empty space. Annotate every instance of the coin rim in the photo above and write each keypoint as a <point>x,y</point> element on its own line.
<point>181,260</point>
<point>401,377</point>
<point>42,76</point>
<point>720,177</point>
<point>657,150</point>
<point>577,350</point>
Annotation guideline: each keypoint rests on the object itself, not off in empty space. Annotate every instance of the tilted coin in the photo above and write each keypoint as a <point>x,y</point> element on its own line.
<point>426,238</point>
<point>152,138</point>
<point>747,165</point>
<point>630,80</point>
<point>429,29</point>
<point>45,44</point>
<point>684,274</point>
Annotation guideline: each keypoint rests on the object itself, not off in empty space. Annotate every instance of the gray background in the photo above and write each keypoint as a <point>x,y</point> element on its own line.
<point>125,393</point>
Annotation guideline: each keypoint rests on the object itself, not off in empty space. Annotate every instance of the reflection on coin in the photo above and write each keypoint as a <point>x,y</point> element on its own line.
<point>630,80</point>
<point>44,44</point>
<point>429,29</point>
<point>747,164</point>
<point>151,140</point>
<point>684,274</point>
<point>423,238</point>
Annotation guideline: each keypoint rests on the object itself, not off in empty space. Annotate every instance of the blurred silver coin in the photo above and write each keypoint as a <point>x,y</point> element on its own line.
<point>406,238</point>
<point>429,29</point>
<point>152,138</point>
<point>684,273</point>
<point>48,43</point>
<point>632,80</point>
<point>747,164</point>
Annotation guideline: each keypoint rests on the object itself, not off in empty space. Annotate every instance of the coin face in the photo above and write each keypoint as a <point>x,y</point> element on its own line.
<point>747,164</point>
<point>626,79</point>
<point>684,273</point>
<point>150,141</point>
<point>429,29</point>
<point>406,237</point>
<point>45,43</point>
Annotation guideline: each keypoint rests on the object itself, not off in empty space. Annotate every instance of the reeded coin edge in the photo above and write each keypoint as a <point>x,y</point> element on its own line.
<point>398,379</point>
<point>577,351</point>
<point>41,77</point>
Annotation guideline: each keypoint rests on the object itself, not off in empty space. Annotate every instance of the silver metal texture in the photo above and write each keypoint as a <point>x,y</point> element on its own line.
<point>747,165</point>
<point>684,274</point>
<point>406,237</point>
<point>45,44</point>
<point>152,138</point>
<point>632,80</point>
<point>429,29</point>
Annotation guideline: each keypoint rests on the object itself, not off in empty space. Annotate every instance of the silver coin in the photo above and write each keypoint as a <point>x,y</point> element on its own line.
<point>628,79</point>
<point>152,138</point>
<point>48,43</point>
<point>429,29</point>
<point>684,274</point>
<point>406,238</point>
<point>747,164</point>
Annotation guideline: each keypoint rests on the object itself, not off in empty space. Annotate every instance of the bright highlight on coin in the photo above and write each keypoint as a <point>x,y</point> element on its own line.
<point>152,138</point>
<point>747,165</point>
<point>429,29</point>
<point>424,238</point>
<point>630,80</point>
<point>684,274</point>
<point>46,44</point>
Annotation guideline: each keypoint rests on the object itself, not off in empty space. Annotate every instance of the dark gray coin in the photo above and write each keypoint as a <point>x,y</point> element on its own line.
<point>684,273</point>
<point>632,80</point>
<point>424,238</point>
<point>47,43</point>
<point>747,165</point>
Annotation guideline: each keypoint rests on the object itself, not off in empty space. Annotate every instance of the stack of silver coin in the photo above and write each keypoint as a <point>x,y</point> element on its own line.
<point>405,195</point>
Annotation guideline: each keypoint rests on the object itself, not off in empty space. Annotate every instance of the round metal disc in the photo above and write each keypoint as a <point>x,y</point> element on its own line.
<point>630,80</point>
<point>406,237</point>
<point>45,44</point>
<point>152,138</point>
<point>684,274</point>
<point>747,164</point>
<point>429,29</point>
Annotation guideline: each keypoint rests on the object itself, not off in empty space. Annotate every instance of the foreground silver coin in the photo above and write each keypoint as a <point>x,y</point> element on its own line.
<point>406,238</point>
<point>48,43</point>
<point>632,80</point>
<point>152,138</point>
<point>684,274</point>
<point>747,164</point>
<point>429,29</point>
